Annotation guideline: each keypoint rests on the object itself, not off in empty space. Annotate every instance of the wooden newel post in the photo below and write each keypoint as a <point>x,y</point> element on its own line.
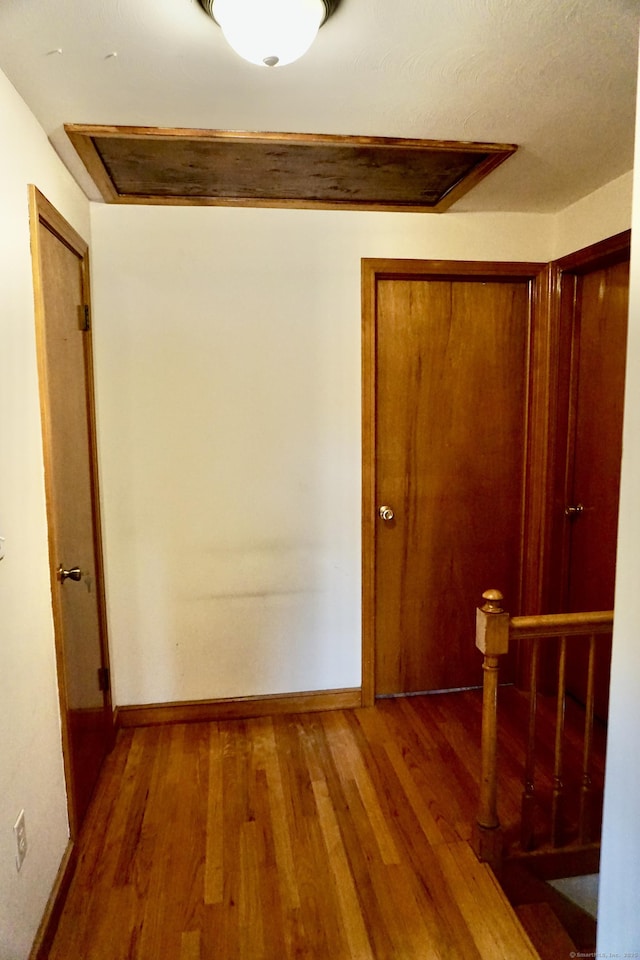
<point>492,639</point>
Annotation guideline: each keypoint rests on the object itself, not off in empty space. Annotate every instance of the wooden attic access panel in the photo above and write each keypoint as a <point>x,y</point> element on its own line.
<point>230,168</point>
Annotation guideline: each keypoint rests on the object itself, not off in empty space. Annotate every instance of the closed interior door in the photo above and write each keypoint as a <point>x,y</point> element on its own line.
<point>452,386</point>
<point>599,314</point>
<point>64,353</point>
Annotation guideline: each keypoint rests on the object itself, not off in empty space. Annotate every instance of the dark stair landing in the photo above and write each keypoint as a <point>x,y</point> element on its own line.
<point>556,925</point>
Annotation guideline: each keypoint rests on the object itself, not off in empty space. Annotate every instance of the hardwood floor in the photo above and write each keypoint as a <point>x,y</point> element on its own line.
<point>335,836</point>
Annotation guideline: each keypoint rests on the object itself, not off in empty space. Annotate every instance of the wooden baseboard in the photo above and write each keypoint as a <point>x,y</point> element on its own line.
<point>240,708</point>
<point>51,917</point>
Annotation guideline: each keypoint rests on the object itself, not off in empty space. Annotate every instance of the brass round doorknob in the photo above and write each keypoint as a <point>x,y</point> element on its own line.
<point>386,513</point>
<point>574,510</point>
<point>74,574</point>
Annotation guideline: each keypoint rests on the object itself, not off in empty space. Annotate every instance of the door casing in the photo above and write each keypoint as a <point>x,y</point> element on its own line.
<point>43,215</point>
<point>582,554</point>
<point>536,517</point>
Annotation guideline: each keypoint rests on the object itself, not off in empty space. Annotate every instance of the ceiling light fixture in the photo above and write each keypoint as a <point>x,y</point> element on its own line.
<point>270,32</point>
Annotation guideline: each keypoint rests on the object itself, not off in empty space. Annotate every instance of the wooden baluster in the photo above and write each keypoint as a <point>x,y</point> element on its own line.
<point>529,793</point>
<point>492,639</point>
<point>585,817</point>
<point>557,796</point>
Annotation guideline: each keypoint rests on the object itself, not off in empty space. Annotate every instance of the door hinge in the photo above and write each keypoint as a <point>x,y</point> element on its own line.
<point>85,317</point>
<point>104,679</point>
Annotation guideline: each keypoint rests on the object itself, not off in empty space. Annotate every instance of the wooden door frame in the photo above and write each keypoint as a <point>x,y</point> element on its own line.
<point>537,480</point>
<point>42,212</point>
<point>564,276</point>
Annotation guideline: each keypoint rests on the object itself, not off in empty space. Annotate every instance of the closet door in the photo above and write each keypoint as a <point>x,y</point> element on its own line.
<point>61,283</point>
<point>451,376</point>
<point>594,287</point>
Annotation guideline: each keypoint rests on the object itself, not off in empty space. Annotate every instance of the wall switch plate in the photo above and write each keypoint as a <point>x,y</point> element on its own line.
<point>20,832</point>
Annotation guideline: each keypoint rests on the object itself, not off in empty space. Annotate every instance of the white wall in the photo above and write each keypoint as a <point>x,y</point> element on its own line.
<point>618,916</point>
<point>228,378</point>
<point>601,214</point>
<point>31,773</point>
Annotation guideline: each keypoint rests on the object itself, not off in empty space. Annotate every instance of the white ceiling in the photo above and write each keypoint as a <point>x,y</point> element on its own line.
<point>556,77</point>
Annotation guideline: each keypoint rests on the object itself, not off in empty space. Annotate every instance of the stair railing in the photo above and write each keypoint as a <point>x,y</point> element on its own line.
<point>495,631</point>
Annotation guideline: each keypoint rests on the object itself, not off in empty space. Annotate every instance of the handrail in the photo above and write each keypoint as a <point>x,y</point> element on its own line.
<point>560,625</point>
<point>494,630</point>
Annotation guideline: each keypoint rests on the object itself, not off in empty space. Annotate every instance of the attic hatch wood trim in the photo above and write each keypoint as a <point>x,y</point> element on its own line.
<point>306,171</point>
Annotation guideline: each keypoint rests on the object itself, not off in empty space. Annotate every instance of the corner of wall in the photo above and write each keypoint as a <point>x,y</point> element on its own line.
<point>601,214</point>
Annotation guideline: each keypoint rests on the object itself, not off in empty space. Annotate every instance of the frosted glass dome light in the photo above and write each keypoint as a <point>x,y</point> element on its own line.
<point>270,32</point>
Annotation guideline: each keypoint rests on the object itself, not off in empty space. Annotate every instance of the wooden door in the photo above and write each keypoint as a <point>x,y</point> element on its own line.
<point>594,293</point>
<point>448,389</point>
<point>61,284</point>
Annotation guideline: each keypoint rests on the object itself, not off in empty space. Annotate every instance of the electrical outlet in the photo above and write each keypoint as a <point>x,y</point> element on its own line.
<point>20,832</point>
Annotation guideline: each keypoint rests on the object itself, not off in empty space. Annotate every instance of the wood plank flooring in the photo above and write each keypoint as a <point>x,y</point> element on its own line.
<point>335,836</point>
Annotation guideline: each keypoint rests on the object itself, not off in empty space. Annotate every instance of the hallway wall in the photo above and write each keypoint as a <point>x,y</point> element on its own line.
<point>232,336</point>
<point>228,377</point>
<point>31,774</point>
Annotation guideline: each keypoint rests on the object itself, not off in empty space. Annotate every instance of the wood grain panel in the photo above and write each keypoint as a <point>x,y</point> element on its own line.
<point>603,301</point>
<point>594,456</point>
<point>591,303</point>
<point>452,387</point>
<point>582,281</point>
<point>149,164</point>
